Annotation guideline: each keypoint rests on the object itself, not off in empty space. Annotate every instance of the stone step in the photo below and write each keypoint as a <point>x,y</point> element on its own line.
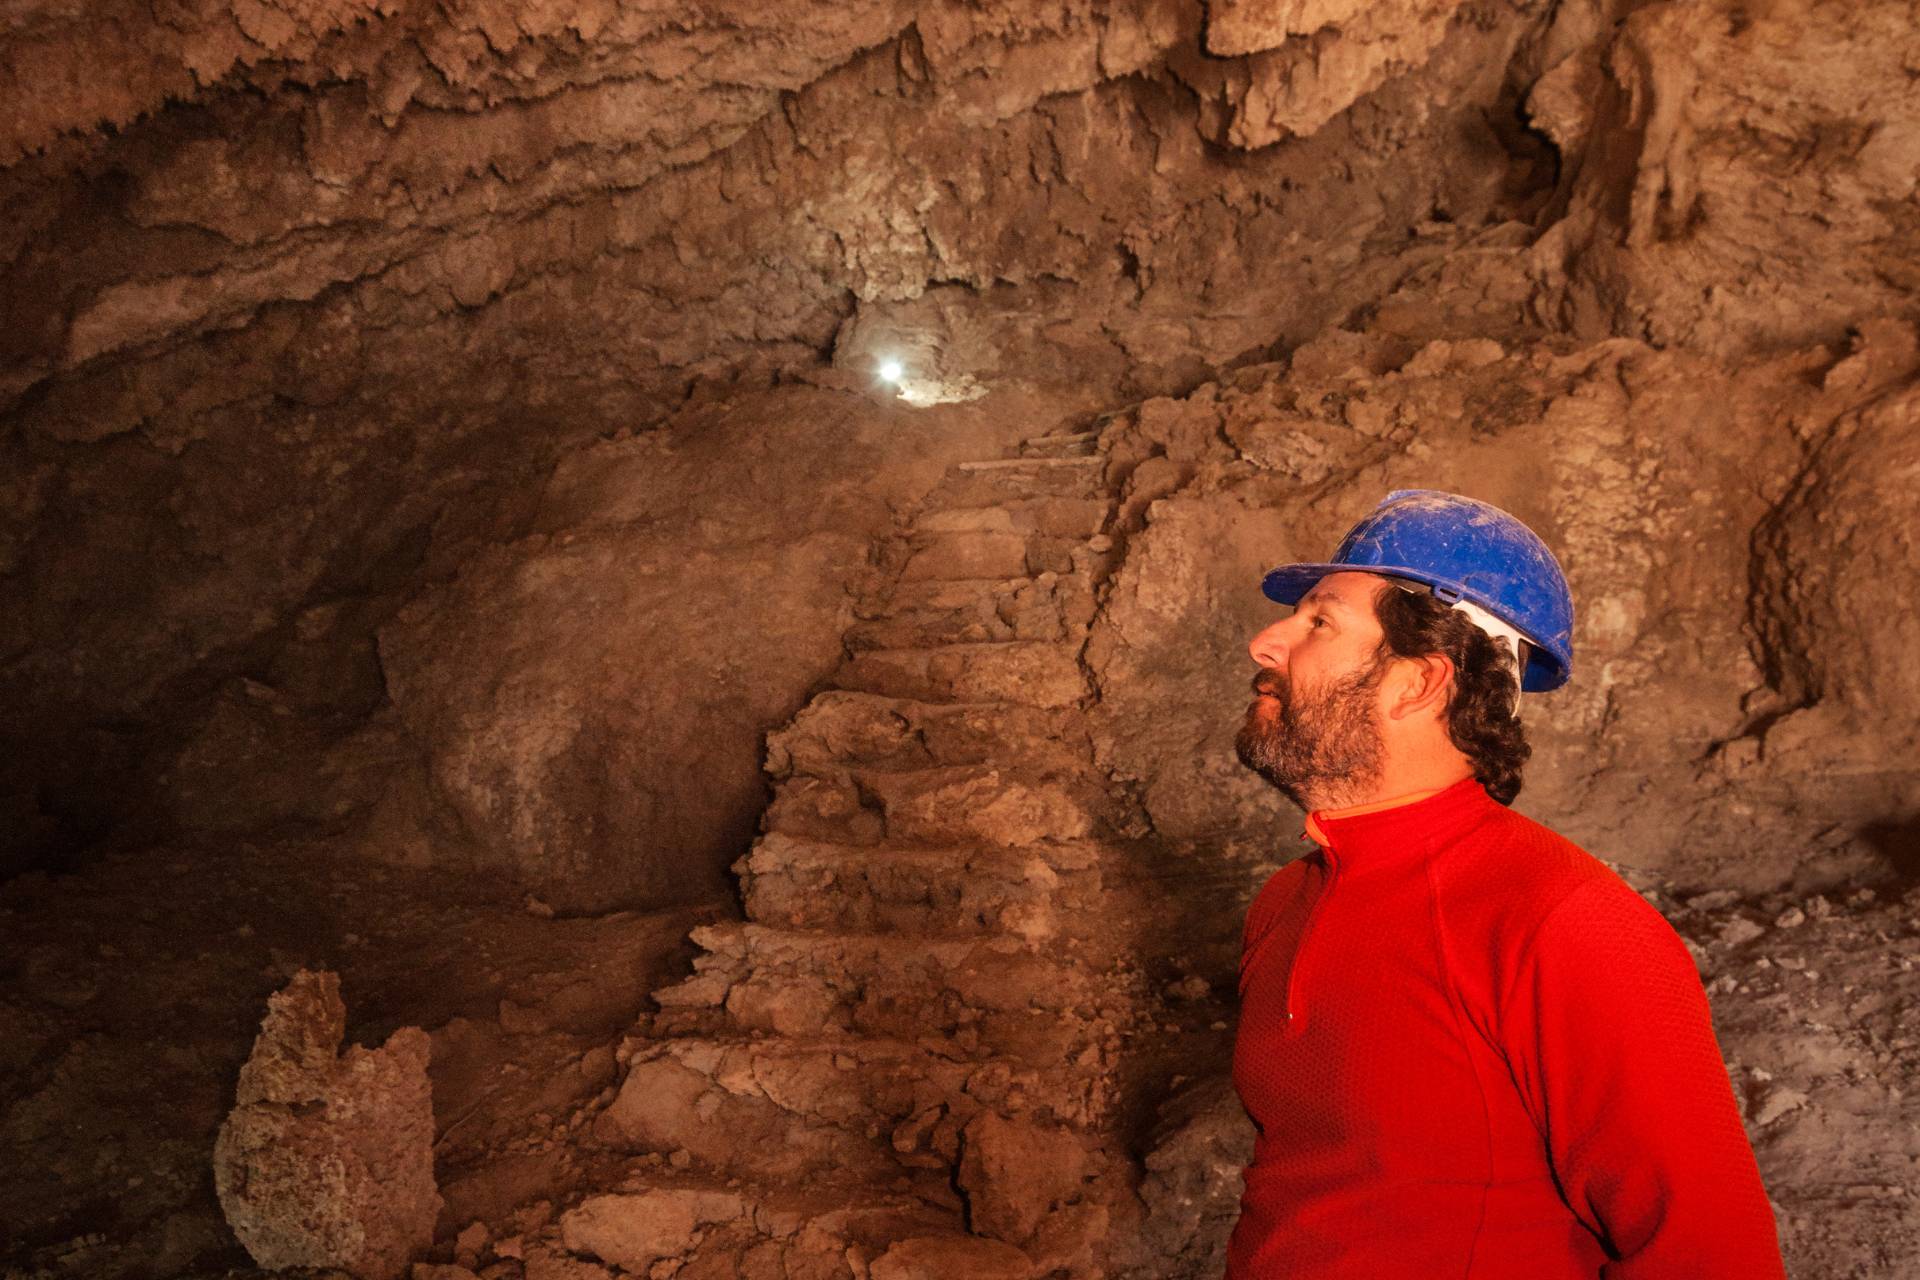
<point>817,807</point>
<point>835,979</point>
<point>933,596</point>
<point>841,729</point>
<point>948,1256</point>
<point>1035,893</point>
<point>960,996</point>
<point>1021,466</point>
<point>1004,540</point>
<point>989,483</point>
<point>950,805</point>
<point>963,557</point>
<point>793,1107</point>
<point>1048,606</point>
<point>940,557</point>
<point>1079,444</point>
<point>1075,518</point>
<point>1027,672</point>
<point>988,804</point>
<point>798,1004</point>
<point>713,1227</point>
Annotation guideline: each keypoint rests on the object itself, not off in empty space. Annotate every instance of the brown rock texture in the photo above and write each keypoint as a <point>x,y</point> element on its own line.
<point>929,1258</point>
<point>1844,698</point>
<point>1312,60</point>
<point>446,445</point>
<point>1736,178</point>
<point>327,1158</point>
<point>1632,461</point>
<point>399,260</point>
<point>1192,1180</point>
<point>633,1232</point>
<point>1017,1180</point>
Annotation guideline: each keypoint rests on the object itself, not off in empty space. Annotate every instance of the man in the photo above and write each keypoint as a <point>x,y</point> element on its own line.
<point>1471,1050</point>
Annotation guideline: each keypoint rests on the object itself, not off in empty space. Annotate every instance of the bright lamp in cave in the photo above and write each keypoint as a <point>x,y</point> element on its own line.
<point>890,371</point>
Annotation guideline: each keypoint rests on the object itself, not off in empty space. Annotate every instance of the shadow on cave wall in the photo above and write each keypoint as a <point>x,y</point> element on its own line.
<point>1897,839</point>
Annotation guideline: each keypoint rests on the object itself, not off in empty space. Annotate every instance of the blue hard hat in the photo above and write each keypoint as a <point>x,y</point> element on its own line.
<point>1464,550</point>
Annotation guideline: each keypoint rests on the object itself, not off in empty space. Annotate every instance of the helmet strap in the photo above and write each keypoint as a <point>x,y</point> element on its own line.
<point>1499,630</point>
<point>1492,626</point>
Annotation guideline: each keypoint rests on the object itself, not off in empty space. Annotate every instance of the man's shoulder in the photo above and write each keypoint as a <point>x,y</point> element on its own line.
<point>1510,872</point>
<point>1510,845</point>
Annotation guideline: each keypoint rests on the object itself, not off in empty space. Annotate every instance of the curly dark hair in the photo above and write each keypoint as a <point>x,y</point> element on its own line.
<point>1482,714</point>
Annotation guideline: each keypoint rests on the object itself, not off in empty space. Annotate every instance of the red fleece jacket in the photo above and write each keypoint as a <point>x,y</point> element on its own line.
<point>1473,1051</point>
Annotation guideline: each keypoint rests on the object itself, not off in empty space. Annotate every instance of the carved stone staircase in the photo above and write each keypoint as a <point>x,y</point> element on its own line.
<point>903,1062</point>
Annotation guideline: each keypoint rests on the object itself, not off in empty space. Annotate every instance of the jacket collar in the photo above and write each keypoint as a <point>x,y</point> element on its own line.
<point>1399,828</point>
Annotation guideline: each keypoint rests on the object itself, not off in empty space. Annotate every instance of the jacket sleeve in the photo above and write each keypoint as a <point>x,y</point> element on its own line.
<point>1611,1042</point>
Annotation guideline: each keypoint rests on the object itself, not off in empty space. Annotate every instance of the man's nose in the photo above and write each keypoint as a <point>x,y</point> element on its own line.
<point>1269,648</point>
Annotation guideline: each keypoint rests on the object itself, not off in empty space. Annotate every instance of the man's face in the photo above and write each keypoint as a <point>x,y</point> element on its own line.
<point>1313,730</point>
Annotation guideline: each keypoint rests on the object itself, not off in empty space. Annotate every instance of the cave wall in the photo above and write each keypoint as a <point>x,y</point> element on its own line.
<point>1738,178</point>
<point>300,339</point>
<point>591,700</point>
<point>309,302</point>
<point>1706,514</point>
<point>445,435</point>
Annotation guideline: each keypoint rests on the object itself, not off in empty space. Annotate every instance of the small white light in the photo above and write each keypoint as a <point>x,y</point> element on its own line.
<point>890,371</point>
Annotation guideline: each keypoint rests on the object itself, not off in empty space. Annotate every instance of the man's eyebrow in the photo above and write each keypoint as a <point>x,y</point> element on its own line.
<point>1323,600</point>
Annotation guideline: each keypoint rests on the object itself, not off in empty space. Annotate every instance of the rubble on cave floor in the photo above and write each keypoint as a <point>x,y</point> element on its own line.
<point>131,993</point>
<point>1816,1000</point>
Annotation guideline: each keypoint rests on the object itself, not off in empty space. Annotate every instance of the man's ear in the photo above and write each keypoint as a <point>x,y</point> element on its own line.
<point>1422,686</point>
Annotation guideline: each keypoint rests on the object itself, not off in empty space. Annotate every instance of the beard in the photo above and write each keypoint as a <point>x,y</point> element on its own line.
<point>1320,747</point>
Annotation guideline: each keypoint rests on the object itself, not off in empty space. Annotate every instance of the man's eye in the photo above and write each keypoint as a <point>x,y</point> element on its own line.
<point>1317,621</point>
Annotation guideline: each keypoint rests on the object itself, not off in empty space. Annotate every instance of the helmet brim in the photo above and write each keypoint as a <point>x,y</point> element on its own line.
<point>1289,582</point>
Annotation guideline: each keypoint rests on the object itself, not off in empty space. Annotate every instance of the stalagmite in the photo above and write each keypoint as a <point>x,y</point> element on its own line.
<point>326,1160</point>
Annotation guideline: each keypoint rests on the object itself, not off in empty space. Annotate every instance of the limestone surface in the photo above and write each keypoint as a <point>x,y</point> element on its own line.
<point>931,1257</point>
<point>1193,1181</point>
<point>635,1231</point>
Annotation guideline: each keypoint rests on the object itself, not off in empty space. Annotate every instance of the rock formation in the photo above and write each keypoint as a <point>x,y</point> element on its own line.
<point>1192,1183</point>
<point>1736,180</point>
<point>876,1053</point>
<point>327,1159</point>
<point>471,260</point>
<point>815,462</point>
<point>1633,460</point>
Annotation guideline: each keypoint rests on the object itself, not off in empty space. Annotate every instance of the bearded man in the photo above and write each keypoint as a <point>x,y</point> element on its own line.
<point>1471,1049</point>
